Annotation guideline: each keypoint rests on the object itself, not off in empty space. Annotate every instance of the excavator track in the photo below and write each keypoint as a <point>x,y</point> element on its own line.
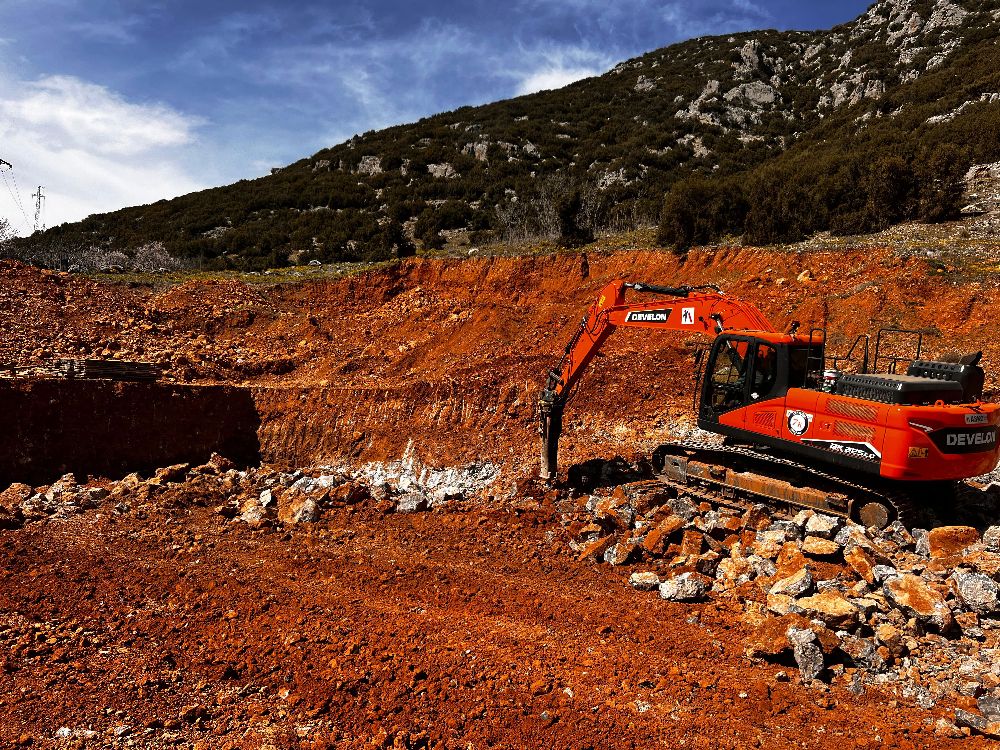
<point>739,476</point>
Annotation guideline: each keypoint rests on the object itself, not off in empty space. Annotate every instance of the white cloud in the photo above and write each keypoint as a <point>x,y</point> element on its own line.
<point>90,148</point>
<point>554,78</point>
<point>555,66</point>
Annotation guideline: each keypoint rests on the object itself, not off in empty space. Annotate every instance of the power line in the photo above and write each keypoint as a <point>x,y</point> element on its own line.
<point>39,199</point>
<point>5,168</point>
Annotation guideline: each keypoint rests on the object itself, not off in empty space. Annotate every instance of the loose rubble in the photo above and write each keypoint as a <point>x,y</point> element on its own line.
<point>915,613</point>
<point>255,496</point>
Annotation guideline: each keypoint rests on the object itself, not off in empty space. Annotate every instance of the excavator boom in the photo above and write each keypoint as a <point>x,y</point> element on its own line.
<point>693,309</point>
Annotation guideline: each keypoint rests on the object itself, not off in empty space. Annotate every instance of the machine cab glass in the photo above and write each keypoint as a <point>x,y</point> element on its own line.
<point>742,370</point>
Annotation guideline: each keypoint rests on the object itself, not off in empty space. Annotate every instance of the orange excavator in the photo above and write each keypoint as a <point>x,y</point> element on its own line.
<point>798,428</point>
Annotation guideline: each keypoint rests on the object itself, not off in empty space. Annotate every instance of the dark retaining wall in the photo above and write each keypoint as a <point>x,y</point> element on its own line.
<point>106,428</point>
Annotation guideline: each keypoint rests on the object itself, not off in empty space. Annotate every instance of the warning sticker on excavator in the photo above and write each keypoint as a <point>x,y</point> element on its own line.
<point>687,316</point>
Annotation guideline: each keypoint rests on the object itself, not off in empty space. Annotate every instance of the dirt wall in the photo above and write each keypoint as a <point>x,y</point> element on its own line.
<point>447,425</point>
<point>109,429</point>
<point>450,353</point>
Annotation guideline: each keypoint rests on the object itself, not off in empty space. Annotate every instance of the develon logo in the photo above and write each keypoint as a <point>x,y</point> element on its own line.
<point>648,316</point>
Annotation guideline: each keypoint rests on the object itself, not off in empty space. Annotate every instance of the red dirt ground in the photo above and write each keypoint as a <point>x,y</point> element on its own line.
<point>439,630</point>
<point>446,629</point>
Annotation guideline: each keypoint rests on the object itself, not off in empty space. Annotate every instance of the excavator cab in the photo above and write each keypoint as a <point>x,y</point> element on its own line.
<point>744,369</point>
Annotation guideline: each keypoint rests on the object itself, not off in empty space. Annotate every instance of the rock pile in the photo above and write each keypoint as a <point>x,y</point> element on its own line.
<point>20,503</point>
<point>258,496</point>
<point>917,612</point>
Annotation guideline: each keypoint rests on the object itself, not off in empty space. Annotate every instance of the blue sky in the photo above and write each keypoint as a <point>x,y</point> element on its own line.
<point>110,103</point>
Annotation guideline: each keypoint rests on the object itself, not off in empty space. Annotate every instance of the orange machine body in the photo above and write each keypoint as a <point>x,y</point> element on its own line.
<point>763,387</point>
<point>900,442</point>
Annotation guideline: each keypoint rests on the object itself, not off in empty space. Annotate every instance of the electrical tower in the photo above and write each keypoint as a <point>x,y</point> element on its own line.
<point>39,198</point>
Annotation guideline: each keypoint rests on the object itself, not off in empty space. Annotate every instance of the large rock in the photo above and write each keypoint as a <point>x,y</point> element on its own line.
<point>862,562</point>
<point>644,581</point>
<point>735,570</point>
<point>686,587</point>
<point>768,543</point>
<point>39,506</point>
<point>794,585</point>
<point>91,497</point>
<point>770,638</point>
<point>990,706</point>
<point>657,538</point>
<point>808,655</point>
<point>899,534</point>
<point>412,502</point>
<point>296,507</point>
<point>762,567</point>
<point>969,719</point>
<point>66,485</point>
<point>259,509</point>
<point>817,546</point>
<point>852,535</point>
<point>171,474</point>
<point>789,560</point>
<point>823,525</point>
<point>781,605</point>
<point>862,652</point>
<point>756,518</point>
<point>921,542</point>
<point>890,637</point>
<point>912,595</point>
<point>692,543</point>
<point>977,592</point>
<point>708,563</point>
<point>947,541</point>
<point>991,539</point>
<point>626,551</point>
<point>595,550</point>
<point>831,607</point>
<point>349,493</point>
<point>615,511</point>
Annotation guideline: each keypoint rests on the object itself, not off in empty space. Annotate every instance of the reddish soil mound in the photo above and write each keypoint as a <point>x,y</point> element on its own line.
<point>451,354</point>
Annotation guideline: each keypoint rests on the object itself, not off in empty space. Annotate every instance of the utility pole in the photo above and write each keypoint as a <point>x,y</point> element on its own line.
<point>39,197</point>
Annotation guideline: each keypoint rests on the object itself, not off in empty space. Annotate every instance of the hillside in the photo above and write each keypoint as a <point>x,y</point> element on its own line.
<point>849,129</point>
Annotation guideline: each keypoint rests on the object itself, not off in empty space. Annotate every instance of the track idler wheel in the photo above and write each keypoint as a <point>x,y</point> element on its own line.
<point>873,513</point>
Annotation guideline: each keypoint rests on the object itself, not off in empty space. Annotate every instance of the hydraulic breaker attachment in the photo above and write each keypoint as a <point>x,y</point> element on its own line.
<point>549,427</point>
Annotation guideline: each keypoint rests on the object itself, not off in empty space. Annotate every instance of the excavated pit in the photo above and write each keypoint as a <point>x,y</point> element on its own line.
<point>109,429</point>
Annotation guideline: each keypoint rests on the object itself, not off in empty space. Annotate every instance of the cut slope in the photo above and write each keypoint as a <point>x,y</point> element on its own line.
<point>451,354</point>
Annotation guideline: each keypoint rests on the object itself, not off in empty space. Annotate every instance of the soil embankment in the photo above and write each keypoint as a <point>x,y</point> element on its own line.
<point>450,354</point>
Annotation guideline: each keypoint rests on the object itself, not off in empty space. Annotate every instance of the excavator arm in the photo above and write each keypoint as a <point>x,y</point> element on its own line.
<point>700,309</point>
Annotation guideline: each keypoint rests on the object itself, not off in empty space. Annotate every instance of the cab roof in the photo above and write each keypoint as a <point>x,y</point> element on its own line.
<point>772,337</point>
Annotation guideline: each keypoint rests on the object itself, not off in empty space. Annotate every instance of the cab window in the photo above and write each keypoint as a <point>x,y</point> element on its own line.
<point>765,372</point>
<point>729,375</point>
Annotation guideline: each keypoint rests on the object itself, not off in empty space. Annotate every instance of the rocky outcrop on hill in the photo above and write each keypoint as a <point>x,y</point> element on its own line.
<point>907,71</point>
